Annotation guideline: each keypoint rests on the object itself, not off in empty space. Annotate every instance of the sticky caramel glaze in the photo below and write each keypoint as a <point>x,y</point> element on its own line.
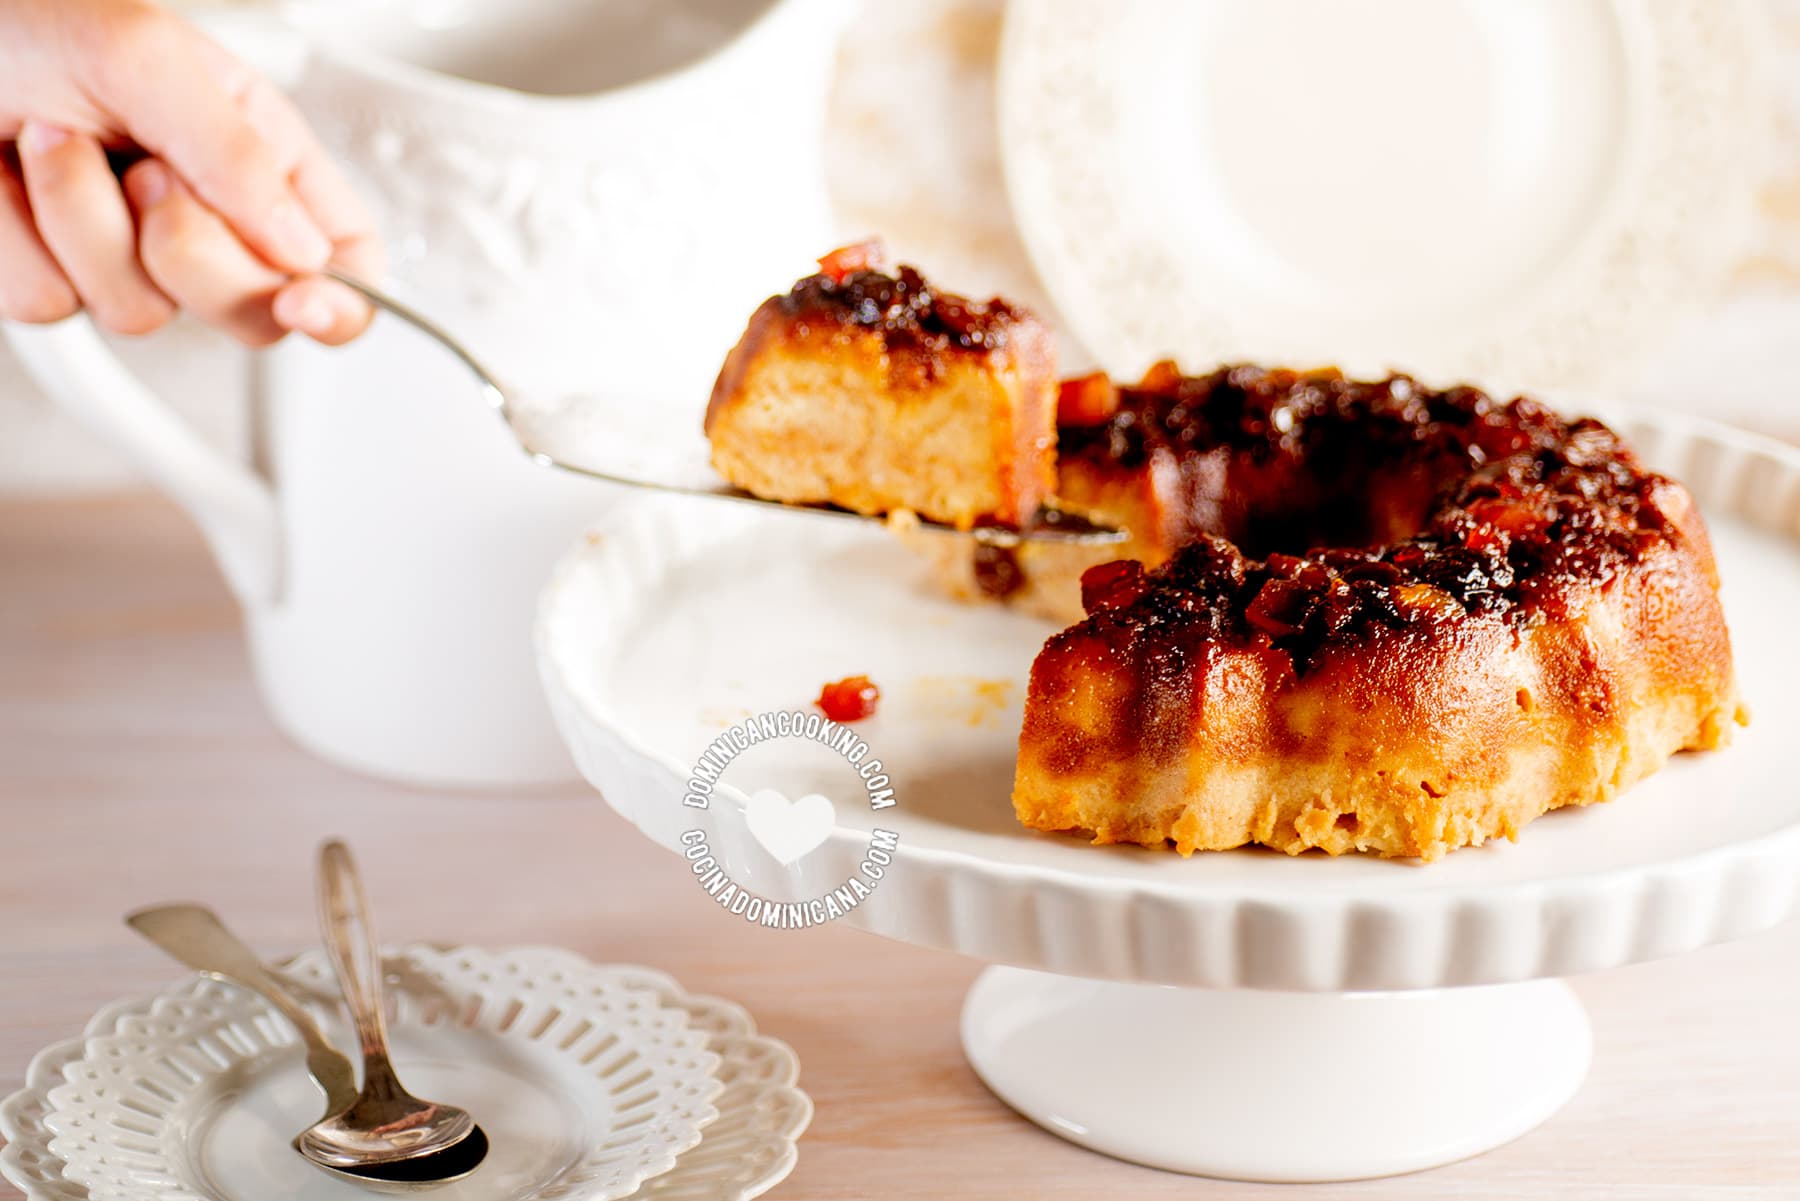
<point>921,328</point>
<point>879,392</point>
<point>907,309</point>
<point>1547,634</point>
<point>918,325</point>
<point>1280,460</point>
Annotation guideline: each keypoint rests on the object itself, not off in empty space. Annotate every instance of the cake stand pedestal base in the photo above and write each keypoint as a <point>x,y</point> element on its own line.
<point>1269,1086</point>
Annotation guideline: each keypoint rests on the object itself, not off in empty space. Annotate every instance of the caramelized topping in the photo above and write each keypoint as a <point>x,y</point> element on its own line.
<point>1524,508</point>
<point>1277,413</point>
<point>909,312</point>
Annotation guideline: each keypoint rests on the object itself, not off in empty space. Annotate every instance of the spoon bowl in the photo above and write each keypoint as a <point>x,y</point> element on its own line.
<point>362,1138</point>
<point>453,1163</point>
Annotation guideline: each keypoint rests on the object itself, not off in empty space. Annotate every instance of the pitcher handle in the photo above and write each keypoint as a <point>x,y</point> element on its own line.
<point>69,360</point>
<point>233,507</point>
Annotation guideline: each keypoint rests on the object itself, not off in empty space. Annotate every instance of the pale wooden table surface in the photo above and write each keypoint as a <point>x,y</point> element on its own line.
<point>137,766</point>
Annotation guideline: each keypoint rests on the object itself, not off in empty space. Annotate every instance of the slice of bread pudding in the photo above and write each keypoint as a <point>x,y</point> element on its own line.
<point>878,393</point>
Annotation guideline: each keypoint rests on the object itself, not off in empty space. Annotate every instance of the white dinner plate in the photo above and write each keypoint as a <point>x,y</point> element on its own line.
<point>674,622</point>
<point>1518,191</point>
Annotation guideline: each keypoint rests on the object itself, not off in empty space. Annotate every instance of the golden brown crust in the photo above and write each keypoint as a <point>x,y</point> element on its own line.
<point>1549,634</point>
<point>877,393</point>
<point>1411,743</point>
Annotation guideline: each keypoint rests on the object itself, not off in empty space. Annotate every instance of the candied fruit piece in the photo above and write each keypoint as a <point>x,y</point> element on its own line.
<point>1427,601</point>
<point>846,261</point>
<point>1162,376</point>
<point>1112,585</point>
<point>1086,400</point>
<point>1281,608</point>
<point>1510,517</point>
<point>850,699</point>
<point>1479,536</point>
<point>1498,439</point>
<point>1410,557</point>
<point>1286,567</point>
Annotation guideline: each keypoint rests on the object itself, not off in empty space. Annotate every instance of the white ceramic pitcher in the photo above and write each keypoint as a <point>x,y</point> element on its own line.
<point>606,231</point>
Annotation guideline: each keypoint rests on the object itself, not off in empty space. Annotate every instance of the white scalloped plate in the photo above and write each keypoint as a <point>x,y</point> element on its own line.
<point>590,1081</point>
<point>748,1150</point>
<point>672,622</point>
<point>1523,190</point>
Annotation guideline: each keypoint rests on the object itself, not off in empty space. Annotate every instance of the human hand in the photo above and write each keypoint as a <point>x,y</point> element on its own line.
<point>230,211</point>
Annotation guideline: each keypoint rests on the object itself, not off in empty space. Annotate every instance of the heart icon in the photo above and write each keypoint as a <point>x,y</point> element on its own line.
<point>789,829</point>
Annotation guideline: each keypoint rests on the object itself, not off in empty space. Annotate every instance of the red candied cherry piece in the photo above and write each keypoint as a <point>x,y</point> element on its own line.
<point>1410,557</point>
<point>1281,608</point>
<point>1086,400</point>
<point>1498,439</point>
<point>1112,585</point>
<point>1480,537</point>
<point>1161,376</point>
<point>846,261</point>
<point>850,699</point>
<point>1510,517</point>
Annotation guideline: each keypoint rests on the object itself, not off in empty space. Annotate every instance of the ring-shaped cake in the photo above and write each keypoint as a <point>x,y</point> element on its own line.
<point>1397,619</point>
<point>1369,616</point>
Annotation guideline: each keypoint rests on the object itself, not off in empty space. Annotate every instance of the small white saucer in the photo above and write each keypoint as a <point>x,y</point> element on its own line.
<point>592,1082</point>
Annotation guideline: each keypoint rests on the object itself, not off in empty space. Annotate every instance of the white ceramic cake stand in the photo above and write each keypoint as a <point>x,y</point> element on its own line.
<point>1329,1018</point>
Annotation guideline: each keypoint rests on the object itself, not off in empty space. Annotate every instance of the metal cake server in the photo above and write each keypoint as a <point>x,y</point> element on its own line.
<point>195,936</point>
<point>691,475</point>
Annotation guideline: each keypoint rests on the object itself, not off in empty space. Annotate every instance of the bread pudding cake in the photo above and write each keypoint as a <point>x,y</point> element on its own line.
<point>1351,615</point>
<point>1396,620</point>
<point>876,392</point>
<point>1044,578</point>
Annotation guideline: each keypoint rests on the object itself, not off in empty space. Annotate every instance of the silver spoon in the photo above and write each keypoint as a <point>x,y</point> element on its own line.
<point>195,936</point>
<point>385,1124</point>
<point>1048,525</point>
